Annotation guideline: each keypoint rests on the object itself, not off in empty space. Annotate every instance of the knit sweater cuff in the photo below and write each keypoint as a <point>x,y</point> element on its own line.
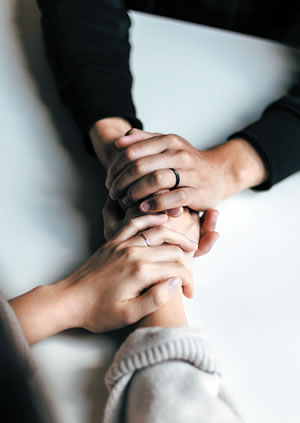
<point>149,346</point>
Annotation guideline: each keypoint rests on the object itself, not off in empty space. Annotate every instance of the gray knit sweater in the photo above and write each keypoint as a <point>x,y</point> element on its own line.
<point>157,376</point>
<point>167,375</point>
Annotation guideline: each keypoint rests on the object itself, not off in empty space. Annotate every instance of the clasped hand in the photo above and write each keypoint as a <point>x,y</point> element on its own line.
<point>142,167</point>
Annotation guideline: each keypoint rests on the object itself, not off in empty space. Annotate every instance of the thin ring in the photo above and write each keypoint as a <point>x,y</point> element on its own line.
<point>177,177</point>
<point>145,238</point>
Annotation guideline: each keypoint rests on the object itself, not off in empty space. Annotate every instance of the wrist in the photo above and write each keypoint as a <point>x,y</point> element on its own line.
<point>241,165</point>
<point>168,316</point>
<point>103,135</point>
<point>44,311</point>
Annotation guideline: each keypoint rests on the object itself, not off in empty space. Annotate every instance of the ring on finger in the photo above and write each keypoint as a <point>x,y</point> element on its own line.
<point>176,173</point>
<point>145,238</point>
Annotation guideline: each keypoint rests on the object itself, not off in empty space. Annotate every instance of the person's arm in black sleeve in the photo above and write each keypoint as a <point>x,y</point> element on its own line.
<point>276,135</point>
<point>276,138</point>
<point>88,49</point>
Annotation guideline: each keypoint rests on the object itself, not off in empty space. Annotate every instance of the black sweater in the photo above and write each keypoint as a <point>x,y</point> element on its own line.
<point>87,45</point>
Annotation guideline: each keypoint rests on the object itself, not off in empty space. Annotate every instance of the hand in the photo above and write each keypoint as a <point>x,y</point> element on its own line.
<point>108,289</point>
<point>103,135</point>
<point>143,164</point>
<point>113,220</point>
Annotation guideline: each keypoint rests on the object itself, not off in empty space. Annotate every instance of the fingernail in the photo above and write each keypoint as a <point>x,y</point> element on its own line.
<point>145,206</point>
<point>174,284</point>
<point>162,216</point>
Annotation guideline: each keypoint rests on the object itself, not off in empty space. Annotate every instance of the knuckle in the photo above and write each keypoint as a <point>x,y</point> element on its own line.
<point>184,157</point>
<point>157,178</point>
<point>159,298</point>
<point>177,251</point>
<point>139,167</point>
<point>132,194</point>
<point>173,140</point>
<point>181,196</point>
<point>116,184</point>
<point>119,250</point>
<point>138,269</point>
<point>130,153</point>
<point>132,223</point>
<point>130,253</point>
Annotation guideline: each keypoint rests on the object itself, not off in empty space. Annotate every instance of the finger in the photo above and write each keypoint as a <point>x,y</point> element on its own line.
<point>154,298</point>
<point>147,185</point>
<point>209,220</point>
<point>178,198</point>
<point>160,235</point>
<point>132,136</point>
<point>143,166</point>
<point>178,211</point>
<point>137,146</point>
<point>206,243</point>
<point>139,224</point>
<point>154,272</point>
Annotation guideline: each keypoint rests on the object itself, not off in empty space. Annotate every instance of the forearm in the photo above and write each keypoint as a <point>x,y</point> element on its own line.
<point>104,133</point>
<point>44,311</point>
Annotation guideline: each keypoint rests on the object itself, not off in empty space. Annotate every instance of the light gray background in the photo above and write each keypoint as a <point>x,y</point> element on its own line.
<point>202,84</point>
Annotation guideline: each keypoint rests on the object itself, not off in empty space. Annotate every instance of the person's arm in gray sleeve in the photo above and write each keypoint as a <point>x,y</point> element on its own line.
<point>167,375</point>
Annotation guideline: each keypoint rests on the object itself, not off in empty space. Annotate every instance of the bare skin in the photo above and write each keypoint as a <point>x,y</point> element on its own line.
<point>143,164</point>
<point>108,291</point>
<point>172,314</point>
<point>138,165</point>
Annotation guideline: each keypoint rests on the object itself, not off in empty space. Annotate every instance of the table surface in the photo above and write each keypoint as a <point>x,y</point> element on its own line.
<point>202,84</point>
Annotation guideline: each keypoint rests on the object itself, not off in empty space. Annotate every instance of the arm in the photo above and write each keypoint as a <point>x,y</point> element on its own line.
<point>88,49</point>
<point>170,375</point>
<point>166,371</point>
<point>85,299</point>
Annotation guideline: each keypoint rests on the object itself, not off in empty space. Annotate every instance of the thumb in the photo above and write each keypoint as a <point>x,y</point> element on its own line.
<point>133,136</point>
<point>178,211</point>
<point>156,297</point>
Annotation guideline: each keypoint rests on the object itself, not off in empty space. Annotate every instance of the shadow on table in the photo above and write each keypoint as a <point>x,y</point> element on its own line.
<point>91,192</point>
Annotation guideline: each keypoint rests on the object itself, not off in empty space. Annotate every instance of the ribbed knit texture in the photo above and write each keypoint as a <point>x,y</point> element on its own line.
<point>148,353</point>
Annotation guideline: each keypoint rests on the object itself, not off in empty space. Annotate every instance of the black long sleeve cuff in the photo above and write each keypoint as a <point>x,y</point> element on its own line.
<point>276,138</point>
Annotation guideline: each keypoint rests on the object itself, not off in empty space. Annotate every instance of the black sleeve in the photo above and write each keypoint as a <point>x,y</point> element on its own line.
<point>276,138</point>
<point>276,135</point>
<point>88,49</point>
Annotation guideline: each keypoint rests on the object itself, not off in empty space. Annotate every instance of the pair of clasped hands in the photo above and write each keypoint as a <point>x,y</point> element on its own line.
<point>145,262</point>
<point>136,275</point>
<point>152,238</point>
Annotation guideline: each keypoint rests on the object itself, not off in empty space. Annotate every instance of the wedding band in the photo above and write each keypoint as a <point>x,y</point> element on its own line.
<point>145,238</point>
<point>177,177</point>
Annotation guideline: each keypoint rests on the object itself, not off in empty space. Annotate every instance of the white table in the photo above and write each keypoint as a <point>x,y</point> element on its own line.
<point>202,84</point>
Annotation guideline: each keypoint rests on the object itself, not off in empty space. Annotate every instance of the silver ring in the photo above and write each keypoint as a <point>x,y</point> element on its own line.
<point>145,238</point>
<point>177,177</point>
